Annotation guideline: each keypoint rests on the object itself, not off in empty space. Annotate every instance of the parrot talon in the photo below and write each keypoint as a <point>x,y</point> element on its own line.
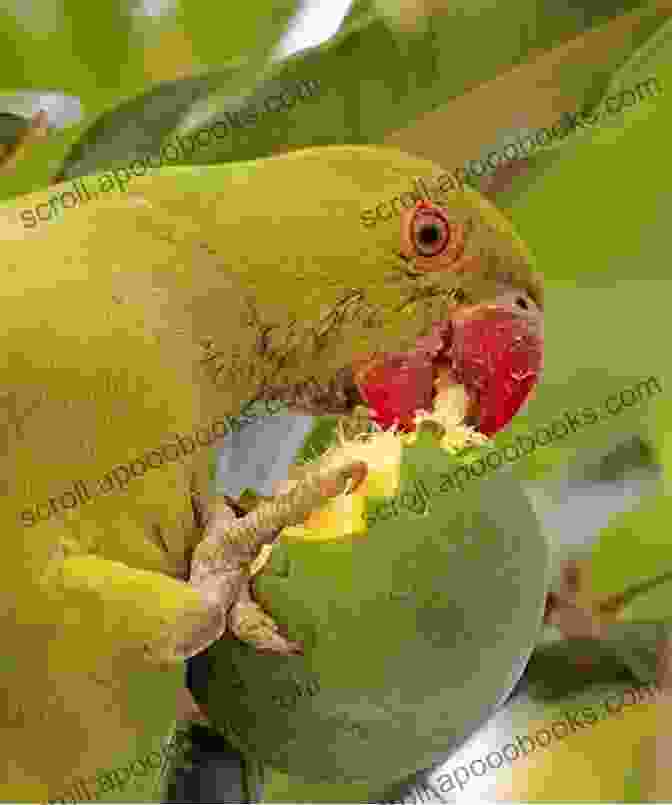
<point>250,624</point>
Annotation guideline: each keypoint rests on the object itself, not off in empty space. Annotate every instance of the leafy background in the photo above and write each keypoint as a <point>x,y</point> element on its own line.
<point>421,80</point>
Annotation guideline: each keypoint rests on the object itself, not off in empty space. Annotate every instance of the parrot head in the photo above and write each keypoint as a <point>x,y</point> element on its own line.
<point>493,348</point>
<point>336,314</point>
<point>443,293</point>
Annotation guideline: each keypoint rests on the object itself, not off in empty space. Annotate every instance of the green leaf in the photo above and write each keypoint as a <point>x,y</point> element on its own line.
<point>608,180</point>
<point>592,90</point>
<point>396,76</point>
<point>633,454</point>
<point>649,599</point>
<point>137,127</point>
<point>374,80</point>
<point>113,51</point>
<point>77,46</point>
<point>556,670</point>
<point>635,643</point>
<point>11,127</point>
<point>644,63</point>
<point>626,652</point>
<point>596,220</point>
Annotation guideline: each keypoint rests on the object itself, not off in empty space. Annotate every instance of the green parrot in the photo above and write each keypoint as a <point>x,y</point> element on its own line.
<point>139,322</point>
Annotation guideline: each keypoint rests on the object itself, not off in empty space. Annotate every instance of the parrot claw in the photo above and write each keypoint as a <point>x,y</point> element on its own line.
<point>261,560</point>
<point>250,624</point>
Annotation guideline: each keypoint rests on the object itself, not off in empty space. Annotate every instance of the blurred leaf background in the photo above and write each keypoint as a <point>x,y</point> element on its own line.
<point>110,52</point>
<point>142,73</point>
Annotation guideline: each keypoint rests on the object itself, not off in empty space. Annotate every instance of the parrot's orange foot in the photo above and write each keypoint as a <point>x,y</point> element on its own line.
<point>35,130</point>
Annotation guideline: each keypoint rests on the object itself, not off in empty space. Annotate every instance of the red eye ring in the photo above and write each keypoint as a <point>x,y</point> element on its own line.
<point>430,232</point>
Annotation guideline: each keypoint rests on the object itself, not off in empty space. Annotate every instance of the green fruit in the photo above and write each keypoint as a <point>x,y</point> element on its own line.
<point>413,631</point>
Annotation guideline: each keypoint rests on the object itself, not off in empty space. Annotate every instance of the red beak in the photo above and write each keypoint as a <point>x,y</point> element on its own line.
<point>495,352</point>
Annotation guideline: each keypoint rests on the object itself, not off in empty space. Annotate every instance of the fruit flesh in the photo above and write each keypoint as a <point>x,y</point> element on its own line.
<point>345,515</point>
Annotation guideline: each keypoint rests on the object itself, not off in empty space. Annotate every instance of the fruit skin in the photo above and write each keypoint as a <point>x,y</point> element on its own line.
<point>413,633</point>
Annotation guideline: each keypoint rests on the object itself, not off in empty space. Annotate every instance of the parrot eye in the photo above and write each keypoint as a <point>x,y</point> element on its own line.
<point>430,232</point>
<point>521,302</point>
